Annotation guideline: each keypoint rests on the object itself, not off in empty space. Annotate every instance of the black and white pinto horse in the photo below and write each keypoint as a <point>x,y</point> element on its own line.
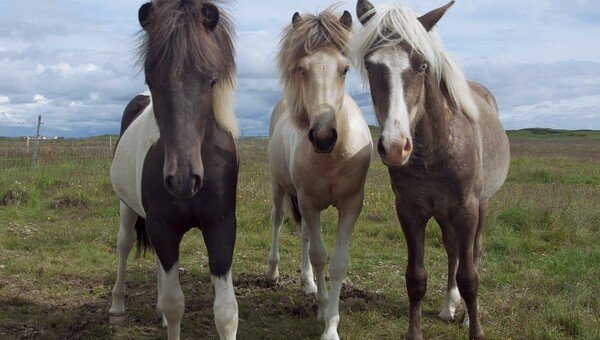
<point>176,165</point>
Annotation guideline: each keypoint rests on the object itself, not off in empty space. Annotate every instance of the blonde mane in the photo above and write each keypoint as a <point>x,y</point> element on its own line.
<point>301,38</point>
<point>392,24</point>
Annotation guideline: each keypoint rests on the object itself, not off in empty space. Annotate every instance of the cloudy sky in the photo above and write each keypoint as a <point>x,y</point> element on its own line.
<point>72,61</point>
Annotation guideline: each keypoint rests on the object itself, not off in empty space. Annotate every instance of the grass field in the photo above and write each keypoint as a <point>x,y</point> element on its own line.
<point>539,274</point>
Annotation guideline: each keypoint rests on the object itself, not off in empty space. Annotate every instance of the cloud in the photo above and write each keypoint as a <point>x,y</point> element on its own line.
<point>540,59</point>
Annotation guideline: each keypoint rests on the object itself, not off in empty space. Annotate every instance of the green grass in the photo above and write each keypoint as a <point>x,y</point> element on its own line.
<point>539,273</point>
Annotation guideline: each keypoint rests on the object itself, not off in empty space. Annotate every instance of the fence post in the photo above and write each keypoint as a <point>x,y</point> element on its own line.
<point>37,143</point>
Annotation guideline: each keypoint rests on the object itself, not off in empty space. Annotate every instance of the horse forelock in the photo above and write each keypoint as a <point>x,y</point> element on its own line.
<point>392,24</point>
<point>313,32</point>
<point>176,41</point>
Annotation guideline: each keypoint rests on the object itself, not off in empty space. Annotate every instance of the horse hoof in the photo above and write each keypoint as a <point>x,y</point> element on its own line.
<point>310,289</point>
<point>446,315</point>
<point>115,319</point>
<point>272,275</point>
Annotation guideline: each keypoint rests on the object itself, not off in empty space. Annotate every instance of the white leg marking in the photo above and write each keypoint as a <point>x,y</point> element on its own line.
<point>171,301</point>
<point>125,241</point>
<point>225,307</point>
<point>159,289</point>
<point>466,322</point>
<point>452,302</point>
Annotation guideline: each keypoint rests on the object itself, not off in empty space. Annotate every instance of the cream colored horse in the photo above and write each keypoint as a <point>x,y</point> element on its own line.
<point>319,152</point>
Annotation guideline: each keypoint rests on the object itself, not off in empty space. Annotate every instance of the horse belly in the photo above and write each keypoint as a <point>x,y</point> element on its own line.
<point>496,156</point>
<point>127,165</point>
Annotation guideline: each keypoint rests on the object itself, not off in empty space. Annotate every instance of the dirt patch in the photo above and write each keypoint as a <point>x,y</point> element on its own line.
<point>14,197</point>
<point>65,202</point>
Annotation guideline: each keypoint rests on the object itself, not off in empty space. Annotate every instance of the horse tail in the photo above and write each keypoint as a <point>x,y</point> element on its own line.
<point>295,210</point>
<point>143,241</point>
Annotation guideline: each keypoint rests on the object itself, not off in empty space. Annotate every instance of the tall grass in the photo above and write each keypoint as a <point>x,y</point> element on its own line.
<point>539,274</point>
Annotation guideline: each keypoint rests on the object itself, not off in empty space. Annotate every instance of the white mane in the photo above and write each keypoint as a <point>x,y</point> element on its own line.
<point>392,24</point>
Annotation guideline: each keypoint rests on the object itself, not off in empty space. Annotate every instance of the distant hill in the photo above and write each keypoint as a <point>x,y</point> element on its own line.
<point>552,134</point>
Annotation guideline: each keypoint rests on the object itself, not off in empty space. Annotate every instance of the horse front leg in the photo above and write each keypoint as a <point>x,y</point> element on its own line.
<point>307,277</point>
<point>348,213</point>
<point>277,214</point>
<point>219,237</point>
<point>453,299</point>
<point>466,229</point>
<point>125,241</point>
<point>416,275</point>
<point>170,303</point>
<point>311,223</point>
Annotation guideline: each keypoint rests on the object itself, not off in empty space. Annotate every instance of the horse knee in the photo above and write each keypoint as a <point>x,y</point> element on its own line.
<point>416,284</point>
<point>468,284</point>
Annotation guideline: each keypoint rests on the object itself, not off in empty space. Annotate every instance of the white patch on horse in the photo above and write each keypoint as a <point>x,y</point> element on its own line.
<point>225,306</point>
<point>128,161</point>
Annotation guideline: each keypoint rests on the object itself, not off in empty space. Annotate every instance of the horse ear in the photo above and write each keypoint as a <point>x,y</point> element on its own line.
<point>296,19</point>
<point>431,18</point>
<point>364,11</point>
<point>211,16</point>
<point>144,14</point>
<point>346,20</point>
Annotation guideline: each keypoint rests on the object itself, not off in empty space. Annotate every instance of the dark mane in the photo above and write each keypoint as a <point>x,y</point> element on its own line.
<point>176,40</point>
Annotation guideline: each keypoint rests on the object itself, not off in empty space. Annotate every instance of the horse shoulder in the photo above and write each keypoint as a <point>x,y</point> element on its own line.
<point>358,126</point>
<point>128,161</point>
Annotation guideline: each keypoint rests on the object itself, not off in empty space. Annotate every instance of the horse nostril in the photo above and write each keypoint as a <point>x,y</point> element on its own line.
<point>196,183</point>
<point>311,136</point>
<point>170,183</point>
<point>333,135</point>
<point>380,148</point>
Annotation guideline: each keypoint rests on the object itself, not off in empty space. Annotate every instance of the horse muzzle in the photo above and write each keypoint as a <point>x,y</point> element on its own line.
<point>183,186</point>
<point>394,152</point>
<point>323,139</point>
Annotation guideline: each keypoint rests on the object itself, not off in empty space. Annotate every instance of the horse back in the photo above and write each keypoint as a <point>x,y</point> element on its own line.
<point>276,114</point>
<point>494,144</point>
<point>133,110</point>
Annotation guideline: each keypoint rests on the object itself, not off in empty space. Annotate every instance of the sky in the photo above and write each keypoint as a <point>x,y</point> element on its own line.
<point>73,62</point>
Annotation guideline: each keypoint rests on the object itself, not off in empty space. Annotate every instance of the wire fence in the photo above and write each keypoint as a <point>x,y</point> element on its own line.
<point>32,152</point>
<point>19,152</point>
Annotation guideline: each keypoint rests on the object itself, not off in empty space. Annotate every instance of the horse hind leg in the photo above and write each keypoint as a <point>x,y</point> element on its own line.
<point>277,214</point>
<point>452,300</point>
<point>467,277</point>
<point>478,245</point>
<point>125,240</point>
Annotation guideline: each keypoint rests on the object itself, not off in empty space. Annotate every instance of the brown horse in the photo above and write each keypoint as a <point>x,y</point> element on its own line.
<point>176,165</point>
<point>319,151</point>
<point>444,145</point>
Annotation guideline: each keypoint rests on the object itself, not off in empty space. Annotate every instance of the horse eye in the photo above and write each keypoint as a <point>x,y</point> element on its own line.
<point>423,67</point>
<point>212,83</point>
<point>345,70</point>
<point>301,71</point>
